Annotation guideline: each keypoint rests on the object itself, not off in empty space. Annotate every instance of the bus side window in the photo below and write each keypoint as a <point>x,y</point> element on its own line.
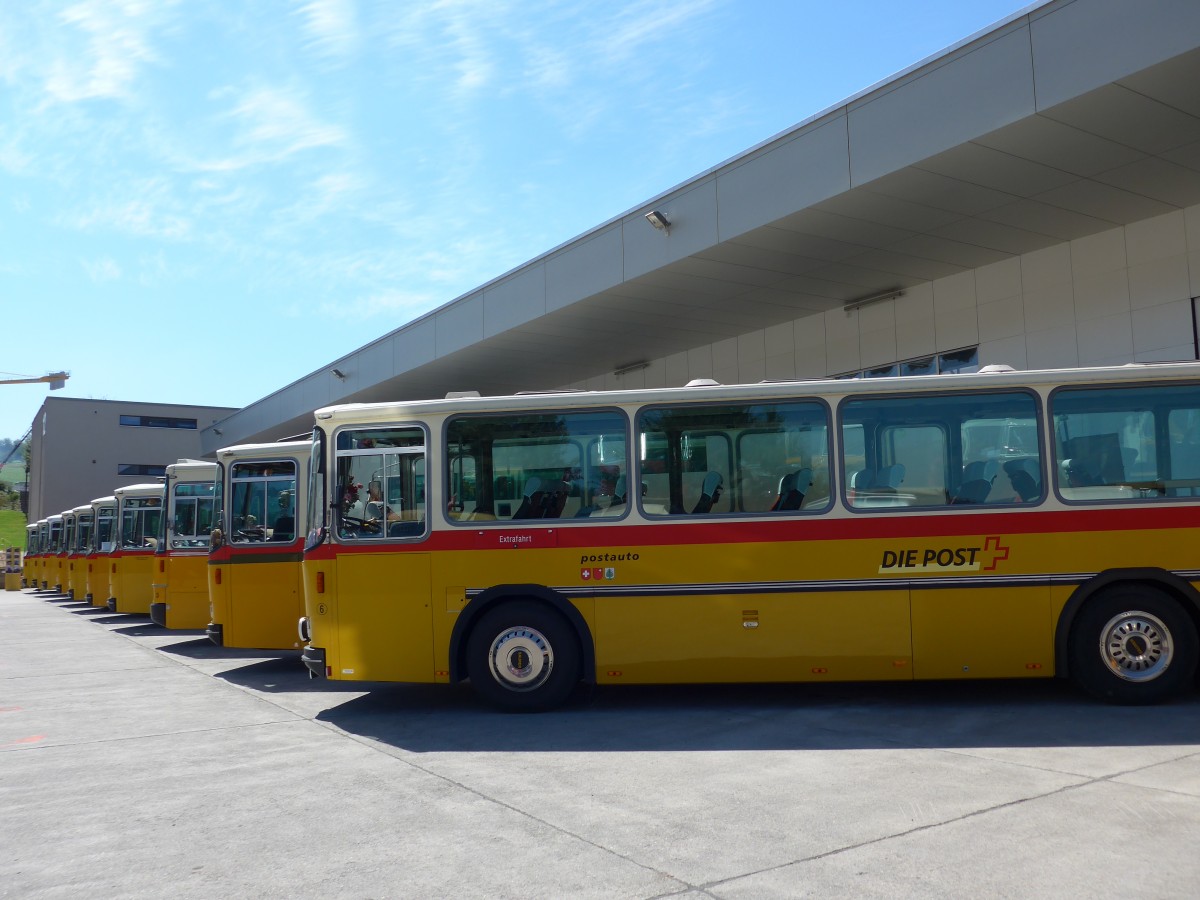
<point>761,458</point>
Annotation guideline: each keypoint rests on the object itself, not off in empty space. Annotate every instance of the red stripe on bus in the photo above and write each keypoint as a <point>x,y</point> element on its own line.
<point>814,529</point>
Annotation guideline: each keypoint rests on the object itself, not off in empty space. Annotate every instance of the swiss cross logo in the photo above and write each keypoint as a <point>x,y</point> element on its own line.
<point>993,549</point>
<point>585,574</point>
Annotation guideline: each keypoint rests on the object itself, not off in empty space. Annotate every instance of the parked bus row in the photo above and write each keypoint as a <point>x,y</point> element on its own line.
<point>999,524</point>
<point>161,549</point>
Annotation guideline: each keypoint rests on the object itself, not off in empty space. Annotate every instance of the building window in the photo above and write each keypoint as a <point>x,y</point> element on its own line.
<point>964,360</point>
<point>140,469</point>
<point>158,422</point>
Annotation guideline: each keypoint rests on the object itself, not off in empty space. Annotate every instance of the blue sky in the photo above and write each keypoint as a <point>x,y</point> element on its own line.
<point>201,202</point>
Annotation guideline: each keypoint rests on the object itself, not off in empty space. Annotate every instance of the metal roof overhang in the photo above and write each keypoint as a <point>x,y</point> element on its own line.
<point>1065,120</point>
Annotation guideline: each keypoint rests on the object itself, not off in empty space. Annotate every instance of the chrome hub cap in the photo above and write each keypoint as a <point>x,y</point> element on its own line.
<point>521,658</point>
<point>1136,646</point>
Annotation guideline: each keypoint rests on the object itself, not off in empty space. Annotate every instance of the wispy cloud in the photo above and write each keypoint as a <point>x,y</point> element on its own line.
<point>636,25</point>
<point>332,26</point>
<point>103,269</point>
<point>453,42</point>
<point>144,208</point>
<point>108,46</point>
<point>271,124</point>
<point>393,304</point>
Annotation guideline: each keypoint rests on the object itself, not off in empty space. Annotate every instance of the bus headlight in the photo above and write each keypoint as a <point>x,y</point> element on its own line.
<point>305,632</point>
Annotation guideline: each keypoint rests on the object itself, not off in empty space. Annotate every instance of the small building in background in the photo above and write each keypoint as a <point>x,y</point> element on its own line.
<point>81,449</point>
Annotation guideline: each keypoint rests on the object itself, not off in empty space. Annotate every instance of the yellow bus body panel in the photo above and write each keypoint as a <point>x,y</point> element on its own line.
<point>77,576</point>
<point>185,590</point>
<point>257,604</point>
<point>940,620</point>
<point>388,596</point>
<point>135,577</point>
<point>106,581</point>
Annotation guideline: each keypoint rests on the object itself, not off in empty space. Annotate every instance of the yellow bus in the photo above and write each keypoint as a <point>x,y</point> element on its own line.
<point>999,524</point>
<point>254,585</point>
<point>181,585</point>
<point>42,566</point>
<point>68,552</point>
<point>101,543</point>
<point>132,563</point>
<point>80,531</point>
<point>30,562</point>
<point>56,555</point>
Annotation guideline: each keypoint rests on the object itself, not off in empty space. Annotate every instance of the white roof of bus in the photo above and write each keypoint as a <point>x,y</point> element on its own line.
<point>139,490</point>
<point>705,390</point>
<point>192,467</point>
<point>104,501</point>
<point>87,508</point>
<point>284,449</point>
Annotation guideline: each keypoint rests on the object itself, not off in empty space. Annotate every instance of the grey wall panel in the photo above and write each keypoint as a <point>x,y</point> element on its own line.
<point>693,217</point>
<point>294,402</point>
<point>1082,45</point>
<point>584,269</point>
<point>458,325</point>
<point>373,363</point>
<point>810,167</point>
<point>414,346</point>
<point>980,90</point>
<point>311,394</point>
<point>517,299</point>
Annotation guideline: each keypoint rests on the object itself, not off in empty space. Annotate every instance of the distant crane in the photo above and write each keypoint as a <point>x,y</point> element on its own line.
<point>56,380</point>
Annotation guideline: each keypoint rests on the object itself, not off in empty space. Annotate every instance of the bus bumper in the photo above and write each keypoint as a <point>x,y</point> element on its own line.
<point>158,614</point>
<point>314,659</point>
<point>216,634</point>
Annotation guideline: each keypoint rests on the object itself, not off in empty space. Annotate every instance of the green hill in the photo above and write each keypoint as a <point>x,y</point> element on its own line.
<point>12,529</point>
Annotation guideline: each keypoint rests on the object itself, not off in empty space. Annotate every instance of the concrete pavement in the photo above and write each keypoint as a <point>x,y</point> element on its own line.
<point>137,762</point>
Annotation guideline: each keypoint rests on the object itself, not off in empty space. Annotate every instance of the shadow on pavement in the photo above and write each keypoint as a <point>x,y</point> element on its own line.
<point>203,648</point>
<point>287,674</point>
<point>932,715</point>
<point>123,619</point>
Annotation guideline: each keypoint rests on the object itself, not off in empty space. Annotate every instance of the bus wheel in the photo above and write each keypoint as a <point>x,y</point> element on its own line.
<point>523,657</point>
<point>1133,644</point>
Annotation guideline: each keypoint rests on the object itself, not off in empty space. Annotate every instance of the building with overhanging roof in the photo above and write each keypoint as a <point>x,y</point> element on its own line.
<point>1030,196</point>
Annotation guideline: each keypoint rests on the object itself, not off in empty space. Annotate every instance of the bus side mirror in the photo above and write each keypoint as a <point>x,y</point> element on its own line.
<point>316,538</point>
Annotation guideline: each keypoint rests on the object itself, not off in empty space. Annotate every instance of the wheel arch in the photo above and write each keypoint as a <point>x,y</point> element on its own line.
<point>1174,585</point>
<point>501,593</point>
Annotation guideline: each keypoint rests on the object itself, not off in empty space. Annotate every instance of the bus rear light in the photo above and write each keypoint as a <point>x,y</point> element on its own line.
<point>320,582</point>
<point>162,565</point>
<point>900,663</point>
<point>1033,665</point>
<point>614,674</point>
<point>329,671</point>
<point>217,576</point>
<point>820,670</point>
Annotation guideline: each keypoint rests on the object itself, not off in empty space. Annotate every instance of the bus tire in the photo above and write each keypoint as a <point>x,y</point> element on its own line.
<point>1133,644</point>
<point>523,656</point>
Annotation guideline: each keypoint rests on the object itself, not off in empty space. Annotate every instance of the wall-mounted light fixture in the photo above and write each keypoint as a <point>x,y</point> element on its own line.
<point>338,374</point>
<point>873,298</point>
<point>658,220</point>
<point>630,367</point>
